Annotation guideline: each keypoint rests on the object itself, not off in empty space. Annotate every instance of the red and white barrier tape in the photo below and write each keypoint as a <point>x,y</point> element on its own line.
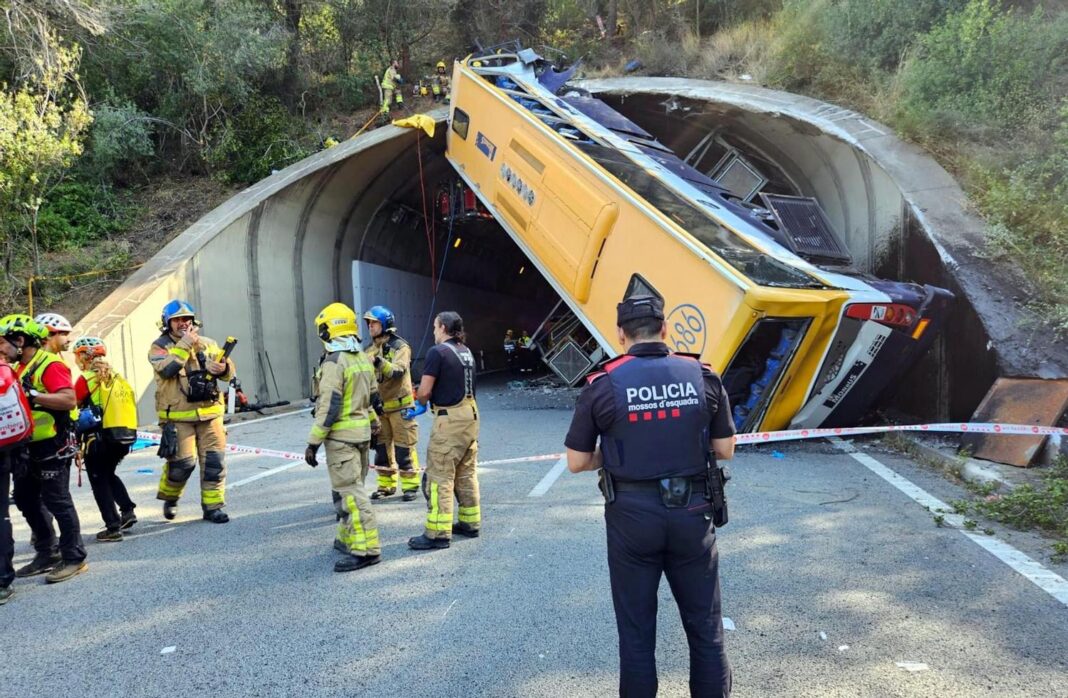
<point>763,437</point>
<point>760,437</point>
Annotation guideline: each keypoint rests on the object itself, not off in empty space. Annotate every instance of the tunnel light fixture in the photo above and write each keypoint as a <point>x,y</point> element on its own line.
<point>456,244</point>
<point>522,269</point>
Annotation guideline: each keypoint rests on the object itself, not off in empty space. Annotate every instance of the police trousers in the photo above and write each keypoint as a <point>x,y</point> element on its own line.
<point>197,441</point>
<point>7,541</point>
<point>451,472</point>
<point>647,540</point>
<point>45,489</point>
<point>395,447</point>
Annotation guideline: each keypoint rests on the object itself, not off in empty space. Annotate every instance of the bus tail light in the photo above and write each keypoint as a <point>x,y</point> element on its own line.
<point>895,315</point>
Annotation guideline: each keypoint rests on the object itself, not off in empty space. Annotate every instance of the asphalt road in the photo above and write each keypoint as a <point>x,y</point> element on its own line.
<point>831,577</point>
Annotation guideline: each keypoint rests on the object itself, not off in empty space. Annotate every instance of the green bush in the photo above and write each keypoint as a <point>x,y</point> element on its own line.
<point>985,66</point>
<point>877,33</point>
<point>120,141</point>
<point>256,140</point>
<point>76,213</point>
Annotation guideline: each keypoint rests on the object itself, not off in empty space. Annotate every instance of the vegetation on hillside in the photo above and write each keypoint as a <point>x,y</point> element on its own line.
<point>101,99</point>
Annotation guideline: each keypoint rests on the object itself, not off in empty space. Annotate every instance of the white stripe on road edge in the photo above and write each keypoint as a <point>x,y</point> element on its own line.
<point>266,473</point>
<point>524,459</point>
<point>234,425</point>
<point>550,477</point>
<point>1049,582</point>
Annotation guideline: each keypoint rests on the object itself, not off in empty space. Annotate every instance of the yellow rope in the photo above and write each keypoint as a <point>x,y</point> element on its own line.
<point>68,277</point>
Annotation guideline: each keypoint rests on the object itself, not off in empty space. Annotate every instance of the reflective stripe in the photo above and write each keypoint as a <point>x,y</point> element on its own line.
<point>399,403</point>
<point>435,519</point>
<point>469,515</point>
<point>166,488</point>
<point>215,410</point>
<point>178,351</point>
<point>212,496</point>
<point>44,421</point>
<point>319,432</point>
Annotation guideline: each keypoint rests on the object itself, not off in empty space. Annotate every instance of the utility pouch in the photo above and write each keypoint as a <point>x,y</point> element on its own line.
<point>675,491</point>
<point>168,443</point>
<point>202,387</point>
<point>605,484</point>
<point>716,490</point>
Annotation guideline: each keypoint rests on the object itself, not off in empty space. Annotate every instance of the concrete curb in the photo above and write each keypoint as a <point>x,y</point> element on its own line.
<point>977,472</point>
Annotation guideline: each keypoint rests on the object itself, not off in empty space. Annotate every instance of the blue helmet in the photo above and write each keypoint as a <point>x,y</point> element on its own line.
<point>176,308</point>
<point>382,314</point>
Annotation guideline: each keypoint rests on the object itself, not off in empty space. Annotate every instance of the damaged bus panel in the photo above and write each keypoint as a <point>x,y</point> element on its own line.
<point>766,294</point>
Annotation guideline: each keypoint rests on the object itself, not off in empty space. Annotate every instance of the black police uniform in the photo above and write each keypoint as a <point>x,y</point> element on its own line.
<point>655,413</point>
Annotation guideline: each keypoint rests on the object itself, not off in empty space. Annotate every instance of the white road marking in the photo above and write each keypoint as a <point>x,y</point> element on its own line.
<point>449,608</point>
<point>245,422</point>
<point>266,473</point>
<point>1049,582</point>
<point>550,477</point>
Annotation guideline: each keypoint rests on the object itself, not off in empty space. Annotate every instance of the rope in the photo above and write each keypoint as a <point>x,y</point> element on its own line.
<point>364,127</point>
<point>67,277</point>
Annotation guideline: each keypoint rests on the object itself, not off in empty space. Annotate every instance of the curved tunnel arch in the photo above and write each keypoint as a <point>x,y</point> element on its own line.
<point>263,264</point>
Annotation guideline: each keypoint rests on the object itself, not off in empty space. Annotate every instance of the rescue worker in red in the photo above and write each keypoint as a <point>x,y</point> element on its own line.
<point>190,406</point>
<point>662,420</point>
<point>43,487</point>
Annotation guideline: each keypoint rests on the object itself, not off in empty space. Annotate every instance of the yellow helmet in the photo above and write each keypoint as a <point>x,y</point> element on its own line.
<point>441,64</point>
<point>336,320</point>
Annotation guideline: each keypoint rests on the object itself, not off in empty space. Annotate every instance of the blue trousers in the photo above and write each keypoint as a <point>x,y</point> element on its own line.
<point>647,540</point>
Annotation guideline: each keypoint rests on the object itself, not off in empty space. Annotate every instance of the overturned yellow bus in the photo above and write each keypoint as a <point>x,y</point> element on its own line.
<point>766,295</point>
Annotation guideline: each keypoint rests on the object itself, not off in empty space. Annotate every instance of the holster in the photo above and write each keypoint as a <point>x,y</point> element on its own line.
<point>716,491</point>
<point>675,491</point>
<point>605,484</point>
<point>168,442</point>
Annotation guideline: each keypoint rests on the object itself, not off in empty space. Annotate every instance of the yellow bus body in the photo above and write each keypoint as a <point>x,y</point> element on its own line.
<point>588,233</point>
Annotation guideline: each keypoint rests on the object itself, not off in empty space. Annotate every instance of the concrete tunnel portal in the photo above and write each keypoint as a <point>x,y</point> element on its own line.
<point>348,224</point>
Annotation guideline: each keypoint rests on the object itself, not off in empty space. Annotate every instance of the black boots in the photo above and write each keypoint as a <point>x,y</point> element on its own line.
<point>351,563</point>
<point>39,565</point>
<point>465,530</point>
<point>216,516</point>
<point>170,510</point>
<point>421,542</point>
<point>128,519</point>
<point>383,492</point>
<point>409,496</point>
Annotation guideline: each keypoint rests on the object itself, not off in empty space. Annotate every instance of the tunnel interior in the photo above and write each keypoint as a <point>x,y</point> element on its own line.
<point>431,234</point>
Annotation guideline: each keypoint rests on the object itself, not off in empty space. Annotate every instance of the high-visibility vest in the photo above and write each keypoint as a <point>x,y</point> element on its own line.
<point>46,423</point>
<point>117,405</point>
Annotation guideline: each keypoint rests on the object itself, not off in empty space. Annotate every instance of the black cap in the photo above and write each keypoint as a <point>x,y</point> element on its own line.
<point>639,308</point>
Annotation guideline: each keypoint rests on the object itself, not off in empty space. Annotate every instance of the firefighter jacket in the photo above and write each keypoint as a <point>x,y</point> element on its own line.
<point>346,388</point>
<point>394,373</point>
<point>391,78</point>
<point>174,361</point>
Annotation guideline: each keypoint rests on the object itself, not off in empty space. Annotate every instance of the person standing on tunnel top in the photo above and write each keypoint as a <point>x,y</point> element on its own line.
<point>190,409</point>
<point>395,446</point>
<point>656,458</point>
<point>448,383</point>
<point>391,79</point>
<point>345,421</point>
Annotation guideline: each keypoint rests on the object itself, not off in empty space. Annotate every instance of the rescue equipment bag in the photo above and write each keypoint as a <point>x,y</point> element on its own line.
<point>16,417</point>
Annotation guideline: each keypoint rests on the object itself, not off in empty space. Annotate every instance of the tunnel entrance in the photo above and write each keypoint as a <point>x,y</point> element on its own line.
<point>432,247</point>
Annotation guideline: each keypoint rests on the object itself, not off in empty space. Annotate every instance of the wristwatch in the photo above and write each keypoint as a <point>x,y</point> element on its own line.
<point>32,394</point>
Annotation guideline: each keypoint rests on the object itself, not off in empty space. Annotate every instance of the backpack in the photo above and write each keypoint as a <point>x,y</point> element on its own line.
<point>16,417</point>
<point>118,413</point>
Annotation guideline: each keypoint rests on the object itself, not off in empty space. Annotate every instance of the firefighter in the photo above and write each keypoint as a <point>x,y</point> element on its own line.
<point>44,488</point>
<point>509,350</point>
<point>390,92</point>
<point>108,427</point>
<point>344,421</point>
<point>190,408</point>
<point>449,384</point>
<point>660,498</point>
<point>395,445</point>
<point>59,330</point>
<point>440,83</point>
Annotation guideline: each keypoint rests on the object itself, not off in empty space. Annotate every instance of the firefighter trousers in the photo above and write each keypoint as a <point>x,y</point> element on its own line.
<point>357,529</point>
<point>450,470</point>
<point>203,442</point>
<point>395,447</point>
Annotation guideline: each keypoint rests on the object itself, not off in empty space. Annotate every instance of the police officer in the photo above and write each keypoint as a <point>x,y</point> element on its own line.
<point>448,383</point>
<point>45,486</point>
<point>343,421</point>
<point>188,401</point>
<point>658,415</point>
<point>395,445</point>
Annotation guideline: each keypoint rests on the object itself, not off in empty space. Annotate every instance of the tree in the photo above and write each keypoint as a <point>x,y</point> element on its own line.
<point>42,124</point>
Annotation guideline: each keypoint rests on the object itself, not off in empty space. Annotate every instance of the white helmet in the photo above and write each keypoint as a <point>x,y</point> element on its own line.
<point>54,322</point>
